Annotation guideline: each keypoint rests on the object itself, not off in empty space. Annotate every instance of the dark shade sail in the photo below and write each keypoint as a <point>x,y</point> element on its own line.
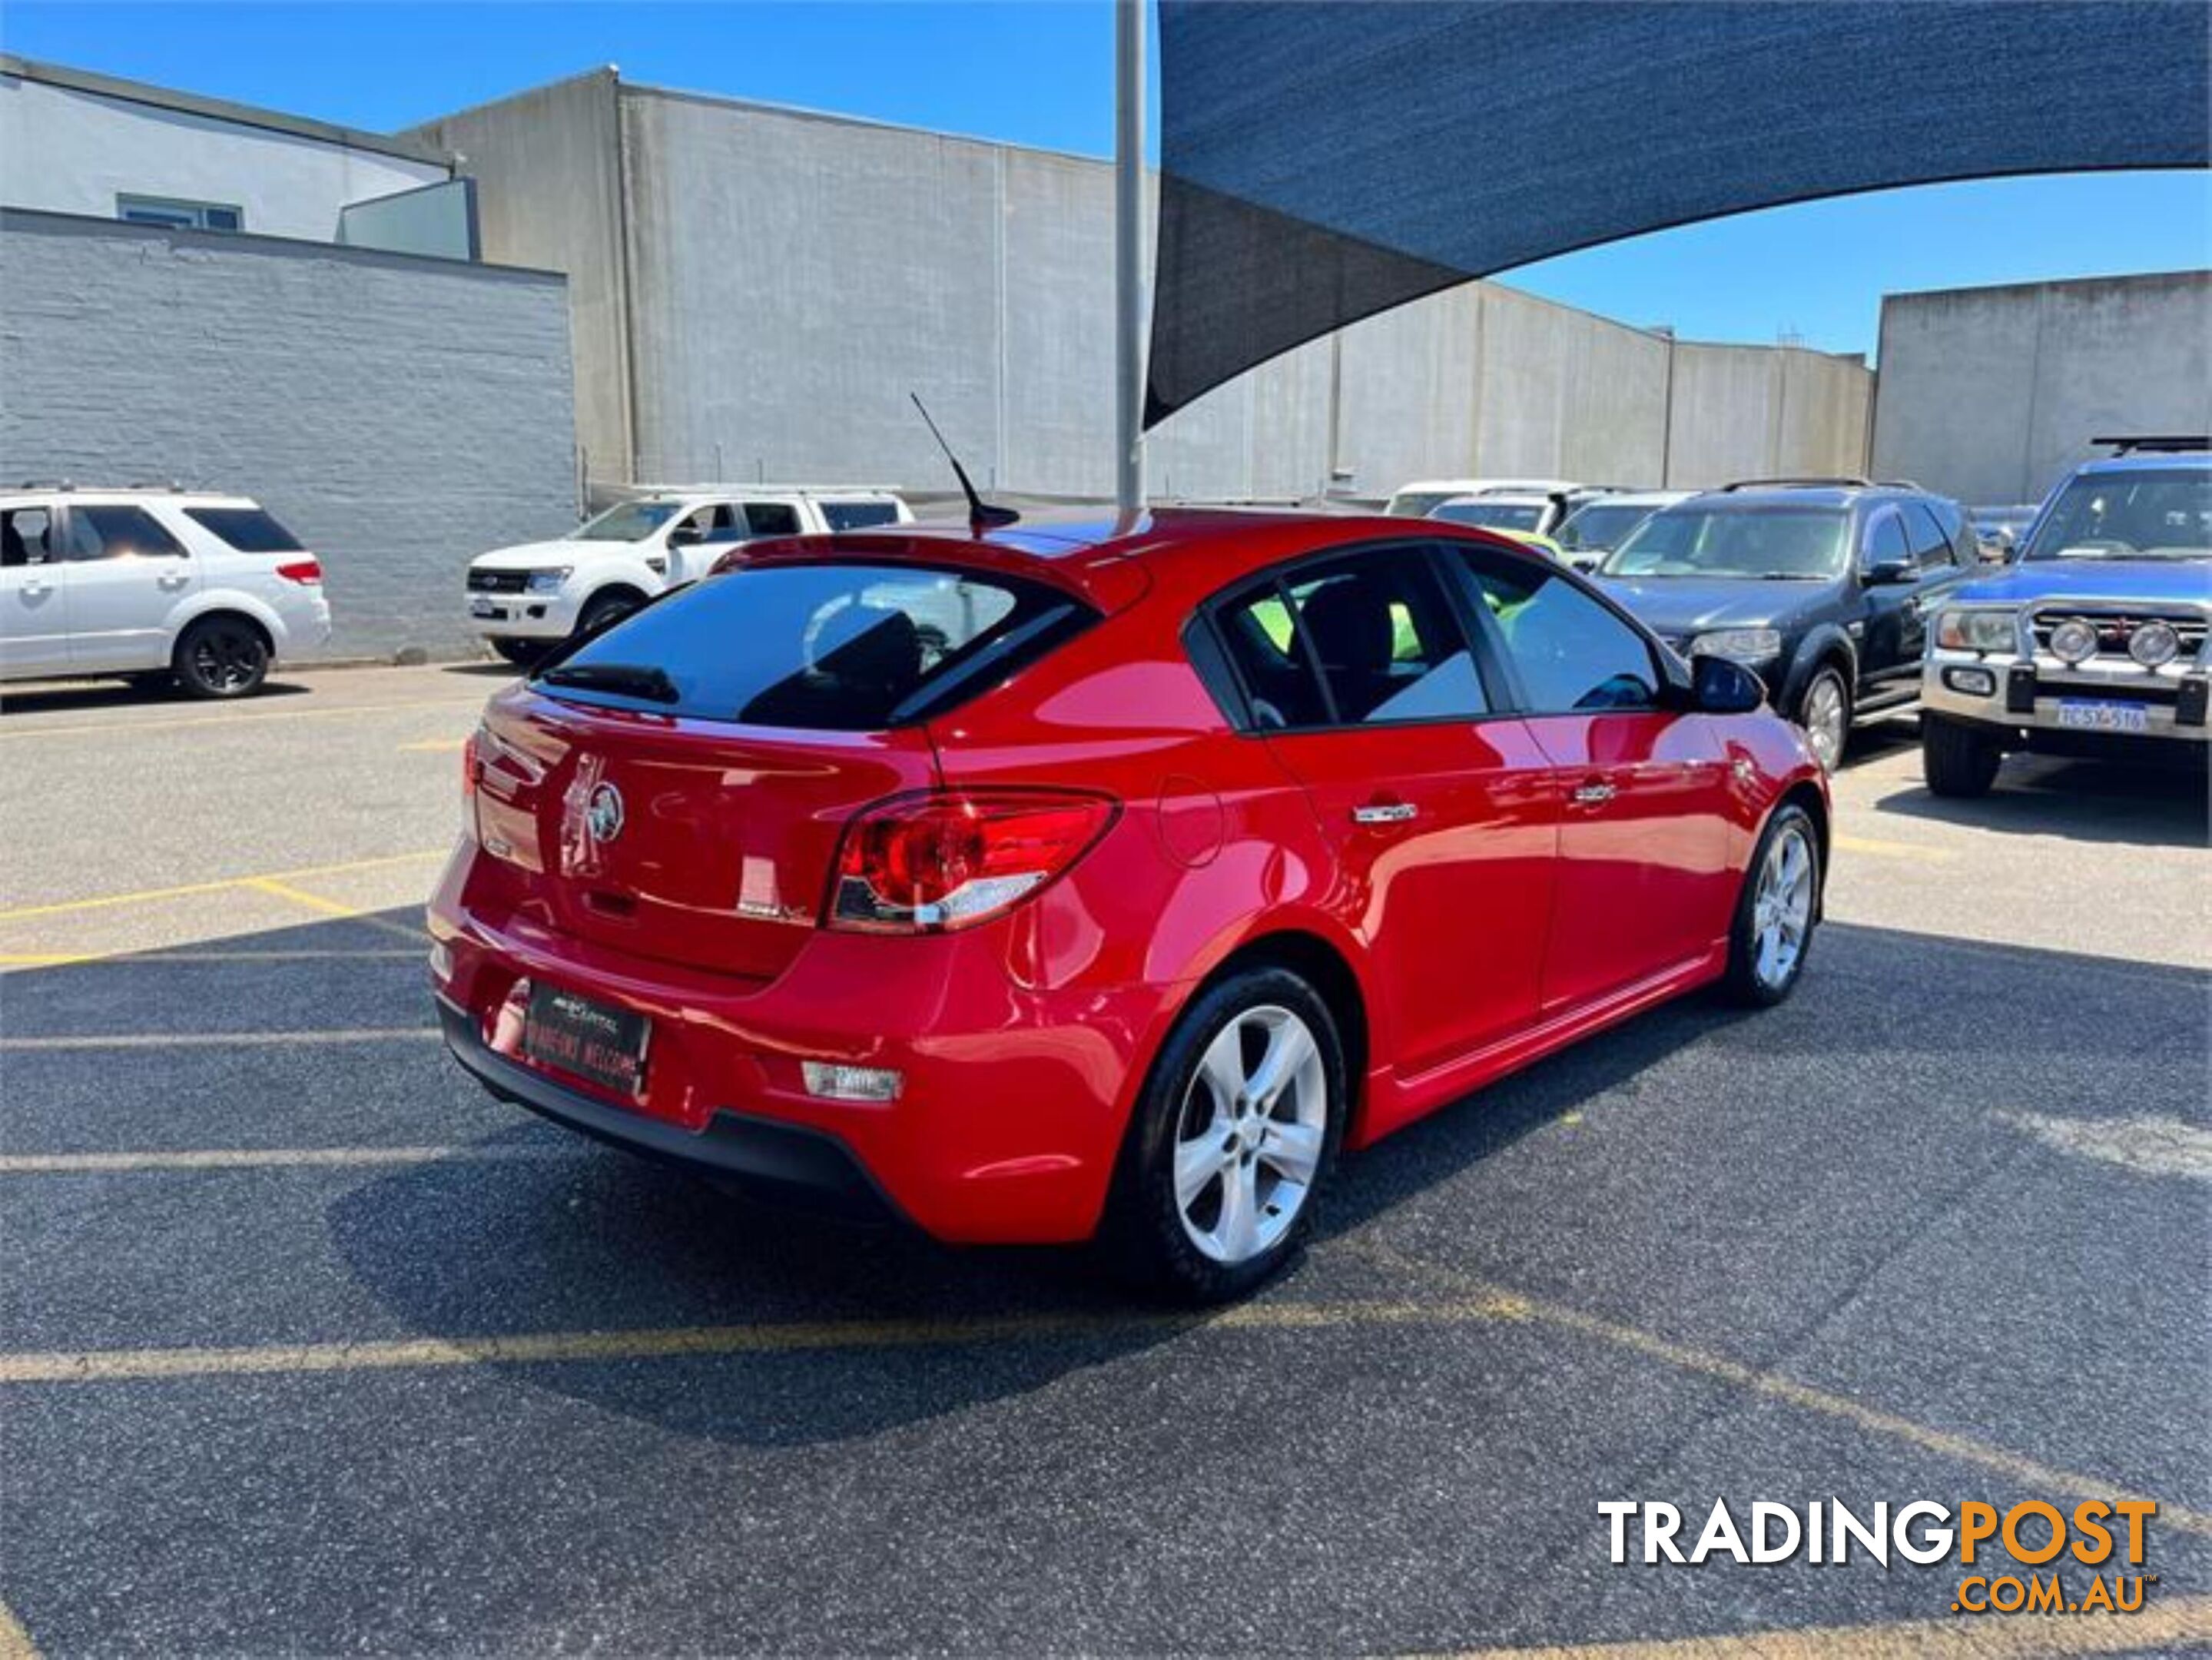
<point>1321,162</point>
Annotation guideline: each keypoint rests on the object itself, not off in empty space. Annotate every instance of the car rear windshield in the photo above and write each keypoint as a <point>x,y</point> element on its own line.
<point>1492,515</point>
<point>1599,525</point>
<point>833,646</point>
<point>1770,541</point>
<point>247,529</point>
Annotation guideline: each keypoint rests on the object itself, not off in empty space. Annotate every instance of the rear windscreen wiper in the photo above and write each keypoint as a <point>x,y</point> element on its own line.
<point>625,679</point>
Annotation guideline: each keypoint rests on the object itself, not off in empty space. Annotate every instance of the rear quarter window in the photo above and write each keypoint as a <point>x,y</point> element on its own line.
<point>857,515</point>
<point>830,647</point>
<point>249,530</point>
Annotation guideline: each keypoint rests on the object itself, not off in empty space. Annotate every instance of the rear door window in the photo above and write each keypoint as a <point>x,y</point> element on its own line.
<point>249,530</point>
<point>1379,628</point>
<point>1930,547</point>
<point>119,532</point>
<point>835,647</point>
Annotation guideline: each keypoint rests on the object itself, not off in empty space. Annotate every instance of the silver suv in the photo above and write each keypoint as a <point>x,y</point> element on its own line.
<point>154,585</point>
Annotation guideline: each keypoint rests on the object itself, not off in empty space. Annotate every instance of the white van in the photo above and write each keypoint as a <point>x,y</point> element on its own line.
<point>523,600</point>
<point>153,584</point>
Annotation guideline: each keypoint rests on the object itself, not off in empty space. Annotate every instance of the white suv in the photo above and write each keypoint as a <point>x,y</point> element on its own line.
<point>151,584</point>
<point>525,600</point>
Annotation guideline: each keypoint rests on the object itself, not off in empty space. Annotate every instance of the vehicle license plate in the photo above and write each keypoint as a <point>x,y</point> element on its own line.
<point>588,1040</point>
<point>2104,717</point>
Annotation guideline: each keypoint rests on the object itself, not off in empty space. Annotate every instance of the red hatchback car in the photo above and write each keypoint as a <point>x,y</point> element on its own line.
<point>1077,881</point>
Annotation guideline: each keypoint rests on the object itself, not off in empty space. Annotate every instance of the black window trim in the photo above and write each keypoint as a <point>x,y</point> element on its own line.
<point>1501,682</point>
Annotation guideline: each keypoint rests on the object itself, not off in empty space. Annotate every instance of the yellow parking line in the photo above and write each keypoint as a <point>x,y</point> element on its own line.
<point>15,1642</point>
<point>316,902</point>
<point>112,1365</point>
<point>232,1158</point>
<point>141,959</point>
<point>62,907</point>
<point>436,746</point>
<point>1775,1386</point>
<point>219,1040</point>
<point>12,729</point>
<point>1893,849</point>
<point>2015,1637</point>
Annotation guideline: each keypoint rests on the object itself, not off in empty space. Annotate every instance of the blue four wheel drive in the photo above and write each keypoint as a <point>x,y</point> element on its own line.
<point>2094,643</point>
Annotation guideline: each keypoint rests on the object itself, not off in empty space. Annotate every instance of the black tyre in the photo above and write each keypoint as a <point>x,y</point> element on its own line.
<point>221,656</point>
<point>1777,912</point>
<point>1824,710</point>
<point>523,653</point>
<point>602,611</point>
<point>1955,759</point>
<point>1232,1140</point>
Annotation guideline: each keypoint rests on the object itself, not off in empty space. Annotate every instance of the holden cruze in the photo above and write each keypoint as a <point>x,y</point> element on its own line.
<point>1057,882</point>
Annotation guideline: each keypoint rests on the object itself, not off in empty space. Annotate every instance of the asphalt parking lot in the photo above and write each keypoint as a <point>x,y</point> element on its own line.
<point>306,1345</point>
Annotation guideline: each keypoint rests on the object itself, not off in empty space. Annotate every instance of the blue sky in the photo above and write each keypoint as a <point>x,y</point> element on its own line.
<point>1041,73</point>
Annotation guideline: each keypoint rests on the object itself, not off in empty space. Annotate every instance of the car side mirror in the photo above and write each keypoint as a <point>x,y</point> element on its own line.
<point>1882,573</point>
<point>1721,685</point>
<point>686,536</point>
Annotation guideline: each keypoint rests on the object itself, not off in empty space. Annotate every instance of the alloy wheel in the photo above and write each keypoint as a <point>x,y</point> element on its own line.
<point>1249,1136</point>
<point>1781,907</point>
<point>1827,721</point>
<point>226,658</point>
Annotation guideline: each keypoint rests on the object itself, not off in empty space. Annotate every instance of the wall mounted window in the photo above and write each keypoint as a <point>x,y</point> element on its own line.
<point>179,214</point>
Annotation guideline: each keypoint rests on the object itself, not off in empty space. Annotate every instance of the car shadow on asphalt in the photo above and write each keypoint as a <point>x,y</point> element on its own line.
<point>58,696</point>
<point>607,1241</point>
<point>485,671</point>
<point>2078,800</point>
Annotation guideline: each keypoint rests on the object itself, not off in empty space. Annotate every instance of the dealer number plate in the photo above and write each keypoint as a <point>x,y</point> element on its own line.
<point>588,1040</point>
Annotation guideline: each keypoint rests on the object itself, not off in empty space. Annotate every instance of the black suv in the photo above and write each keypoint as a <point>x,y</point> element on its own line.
<point>1822,587</point>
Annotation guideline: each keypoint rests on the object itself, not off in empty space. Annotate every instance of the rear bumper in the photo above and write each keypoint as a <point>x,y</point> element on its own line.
<point>1014,1096</point>
<point>810,1169</point>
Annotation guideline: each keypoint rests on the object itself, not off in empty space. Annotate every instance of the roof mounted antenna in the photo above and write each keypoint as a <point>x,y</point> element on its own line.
<point>982,514</point>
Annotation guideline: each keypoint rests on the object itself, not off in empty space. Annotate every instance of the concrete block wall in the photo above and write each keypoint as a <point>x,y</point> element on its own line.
<point>790,276</point>
<point>400,415</point>
<point>1992,395</point>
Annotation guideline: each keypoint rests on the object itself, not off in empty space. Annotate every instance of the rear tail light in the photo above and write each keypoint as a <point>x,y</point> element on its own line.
<point>472,763</point>
<point>307,572</point>
<point>950,858</point>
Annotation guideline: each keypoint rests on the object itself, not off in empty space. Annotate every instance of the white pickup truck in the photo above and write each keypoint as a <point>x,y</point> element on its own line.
<point>523,600</point>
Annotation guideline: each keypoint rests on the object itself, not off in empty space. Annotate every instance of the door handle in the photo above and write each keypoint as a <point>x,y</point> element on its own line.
<point>1593,795</point>
<point>1384,812</point>
<point>34,590</point>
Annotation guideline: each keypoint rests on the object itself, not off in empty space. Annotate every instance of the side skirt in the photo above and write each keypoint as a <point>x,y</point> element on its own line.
<point>1394,1103</point>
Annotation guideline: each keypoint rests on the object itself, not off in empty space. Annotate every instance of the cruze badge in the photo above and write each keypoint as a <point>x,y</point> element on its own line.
<point>603,813</point>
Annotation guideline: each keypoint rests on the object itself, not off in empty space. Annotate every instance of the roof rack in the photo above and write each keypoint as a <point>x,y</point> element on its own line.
<point>47,485</point>
<point>2165,443</point>
<point>1798,483</point>
<point>1897,484</point>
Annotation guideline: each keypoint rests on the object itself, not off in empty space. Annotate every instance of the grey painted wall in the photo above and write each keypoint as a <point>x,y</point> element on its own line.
<point>1992,394</point>
<point>548,165</point>
<point>790,276</point>
<point>399,415</point>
